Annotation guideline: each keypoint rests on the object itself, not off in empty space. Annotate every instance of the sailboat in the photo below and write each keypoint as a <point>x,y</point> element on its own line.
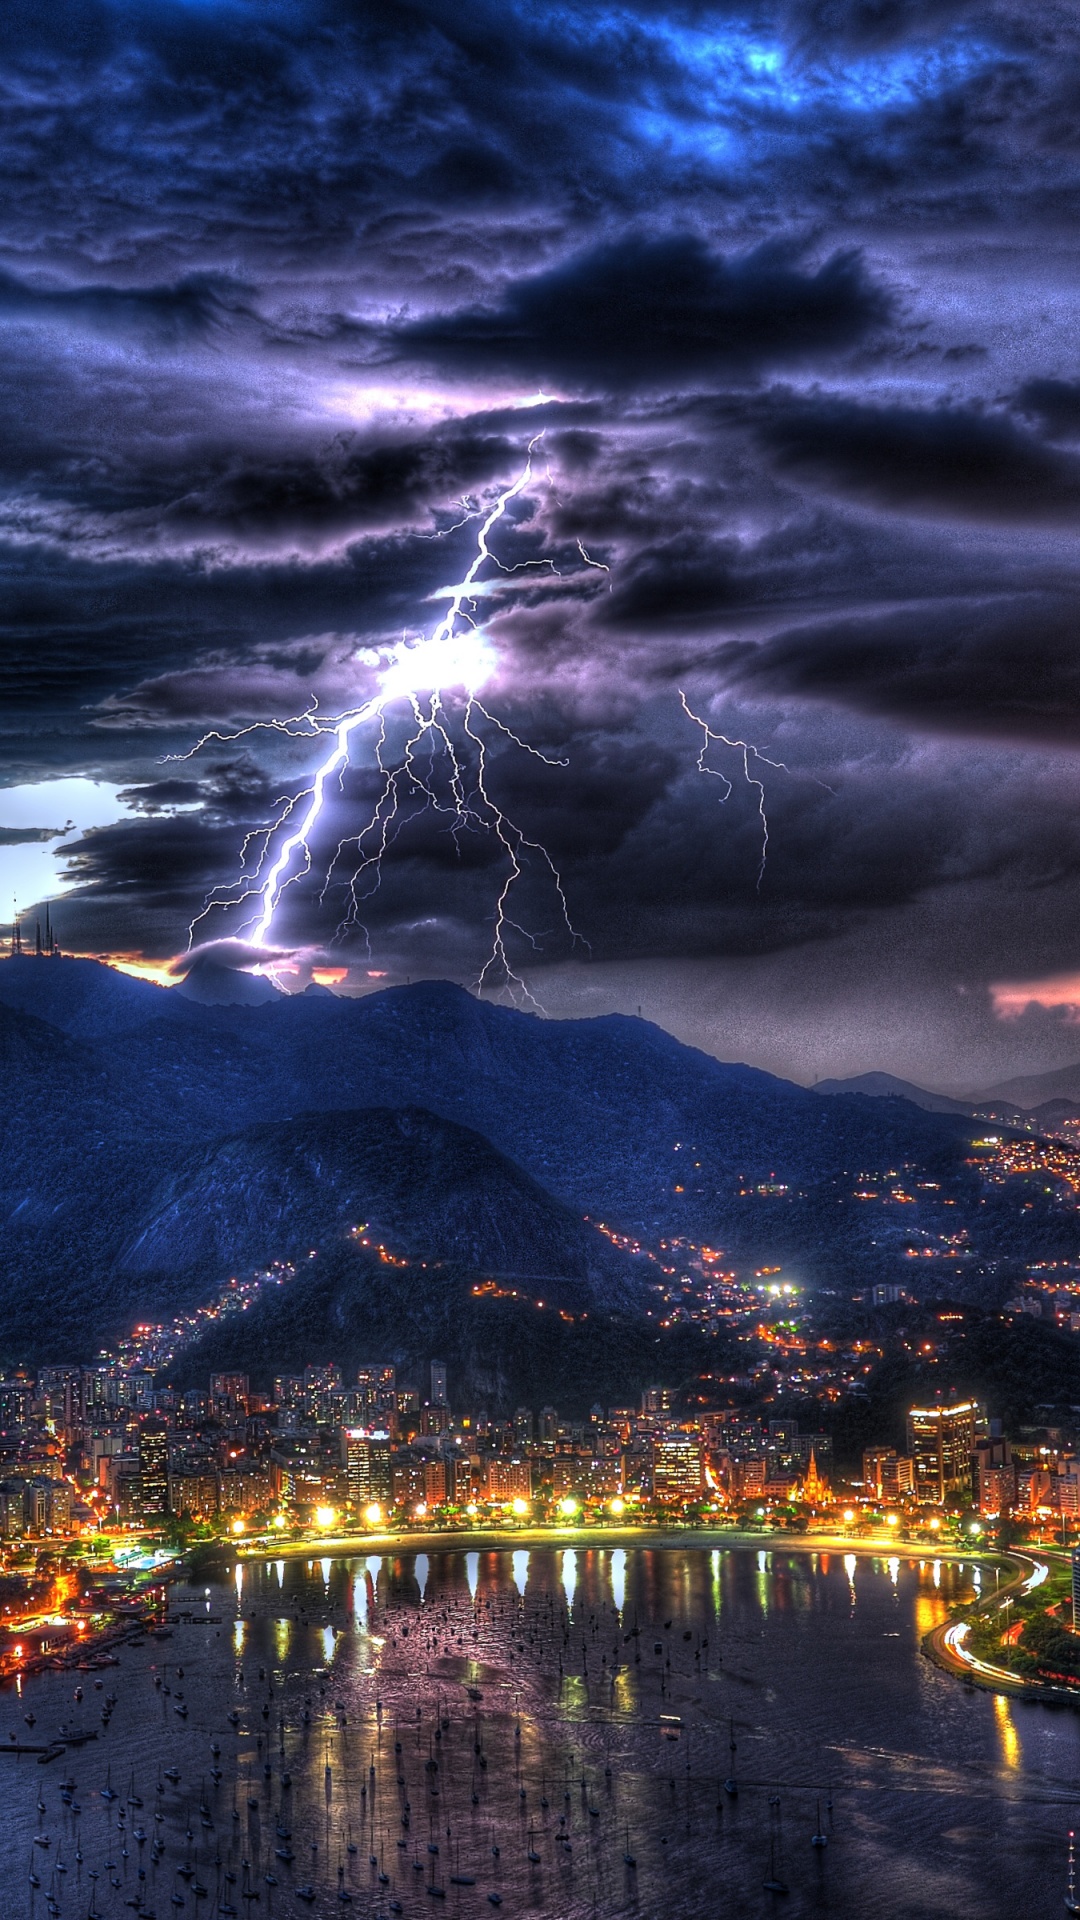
<point>1072,1901</point>
<point>731,1785</point>
<point>774,1884</point>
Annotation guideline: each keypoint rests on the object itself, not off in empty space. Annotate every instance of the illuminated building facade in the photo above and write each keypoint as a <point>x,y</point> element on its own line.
<point>941,1442</point>
<point>153,1471</point>
<point>678,1467</point>
<point>365,1455</point>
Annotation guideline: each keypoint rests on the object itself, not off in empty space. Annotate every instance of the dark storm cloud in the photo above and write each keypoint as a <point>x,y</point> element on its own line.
<point>969,668</point>
<point>645,311</point>
<point>871,24</point>
<point>27,836</point>
<point>274,280</point>
<point>939,460</point>
<point>1055,403</point>
<point>165,316</point>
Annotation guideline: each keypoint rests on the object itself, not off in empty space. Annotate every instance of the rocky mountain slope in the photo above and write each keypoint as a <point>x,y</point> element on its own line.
<point>151,1144</point>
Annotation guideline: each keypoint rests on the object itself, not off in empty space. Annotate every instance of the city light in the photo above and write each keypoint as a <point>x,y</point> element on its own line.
<point>280,1520</point>
<point>568,1506</point>
<point>472,1509</point>
<point>238,1526</point>
<point>420,1512</point>
<point>373,1514</point>
<point>848,1515</point>
<point>519,1507</point>
<point>892,1519</point>
<point>617,1506</point>
<point>325,1517</point>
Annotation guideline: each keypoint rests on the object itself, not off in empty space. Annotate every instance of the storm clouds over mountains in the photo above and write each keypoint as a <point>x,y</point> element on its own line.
<point>788,289</point>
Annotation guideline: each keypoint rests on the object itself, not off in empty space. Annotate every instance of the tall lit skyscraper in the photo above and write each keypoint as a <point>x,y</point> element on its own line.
<point>941,1441</point>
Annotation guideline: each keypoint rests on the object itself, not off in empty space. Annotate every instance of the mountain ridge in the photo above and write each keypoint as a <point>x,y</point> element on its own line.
<point>609,1117</point>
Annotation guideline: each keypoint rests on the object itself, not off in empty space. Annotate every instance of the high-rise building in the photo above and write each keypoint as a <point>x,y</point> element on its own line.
<point>153,1472</point>
<point>941,1441</point>
<point>678,1469</point>
<point>365,1455</point>
<point>507,1479</point>
<point>875,1460</point>
<point>230,1391</point>
<point>898,1478</point>
<point>376,1388</point>
<point>435,1483</point>
<point>15,1398</point>
<point>438,1384</point>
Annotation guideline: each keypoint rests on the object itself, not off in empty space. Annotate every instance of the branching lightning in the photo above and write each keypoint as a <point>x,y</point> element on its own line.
<point>747,750</point>
<point>431,688</point>
<point>443,766</point>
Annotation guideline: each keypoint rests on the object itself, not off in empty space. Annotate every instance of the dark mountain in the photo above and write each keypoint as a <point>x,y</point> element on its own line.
<point>885,1086</point>
<point>1033,1090</point>
<point>139,1119</point>
<point>82,997</point>
<point>424,1189</point>
<point>213,985</point>
<point>1054,1114</point>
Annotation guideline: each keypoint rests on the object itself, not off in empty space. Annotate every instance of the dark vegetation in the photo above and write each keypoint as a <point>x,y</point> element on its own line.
<point>345,1306</point>
<point>151,1145</point>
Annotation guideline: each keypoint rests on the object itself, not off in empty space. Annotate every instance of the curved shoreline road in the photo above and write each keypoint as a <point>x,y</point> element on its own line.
<point>945,1644</point>
<point>506,1539</point>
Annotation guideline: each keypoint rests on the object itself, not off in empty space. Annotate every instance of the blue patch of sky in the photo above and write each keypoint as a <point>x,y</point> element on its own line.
<point>727,84</point>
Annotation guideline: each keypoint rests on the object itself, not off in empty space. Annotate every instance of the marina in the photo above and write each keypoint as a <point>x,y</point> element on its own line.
<point>559,1732</point>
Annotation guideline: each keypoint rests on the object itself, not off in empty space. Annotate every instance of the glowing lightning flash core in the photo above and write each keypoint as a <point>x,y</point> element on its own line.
<point>455,656</point>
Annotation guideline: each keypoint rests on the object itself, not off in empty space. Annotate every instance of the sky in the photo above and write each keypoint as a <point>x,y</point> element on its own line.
<point>783,300</point>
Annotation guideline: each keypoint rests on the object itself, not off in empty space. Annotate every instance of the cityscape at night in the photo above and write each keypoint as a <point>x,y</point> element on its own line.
<point>539,962</point>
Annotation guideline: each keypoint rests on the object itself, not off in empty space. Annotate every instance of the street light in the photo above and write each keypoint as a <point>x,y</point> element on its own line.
<point>568,1506</point>
<point>373,1514</point>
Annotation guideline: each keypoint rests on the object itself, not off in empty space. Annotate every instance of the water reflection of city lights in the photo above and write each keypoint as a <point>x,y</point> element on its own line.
<point>618,1578</point>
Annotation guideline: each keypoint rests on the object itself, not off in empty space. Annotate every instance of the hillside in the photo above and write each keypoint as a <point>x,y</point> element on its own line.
<point>345,1306</point>
<point>425,1189</point>
<point>152,1144</point>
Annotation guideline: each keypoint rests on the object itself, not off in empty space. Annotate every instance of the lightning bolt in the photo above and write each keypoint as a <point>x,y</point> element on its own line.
<point>432,687</point>
<point>747,750</point>
<point>415,679</point>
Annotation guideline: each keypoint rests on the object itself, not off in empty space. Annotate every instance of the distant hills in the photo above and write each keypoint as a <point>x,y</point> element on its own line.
<point>1041,1100</point>
<point>152,1143</point>
<point>1035,1090</point>
<point>885,1086</point>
